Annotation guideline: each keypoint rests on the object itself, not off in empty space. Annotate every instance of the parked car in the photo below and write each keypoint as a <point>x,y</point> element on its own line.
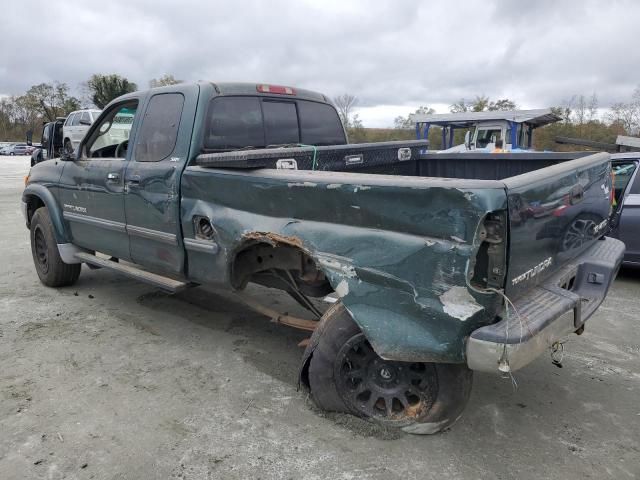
<point>75,127</point>
<point>627,226</point>
<point>17,149</point>
<point>6,149</point>
<point>225,184</point>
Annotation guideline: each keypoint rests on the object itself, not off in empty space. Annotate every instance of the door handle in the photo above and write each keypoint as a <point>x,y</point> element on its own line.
<point>113,177</point>
<point>133,179</point>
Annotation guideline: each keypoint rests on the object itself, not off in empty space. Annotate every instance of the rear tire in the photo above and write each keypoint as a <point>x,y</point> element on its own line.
<point>345,374</point>
<point>52,271</point>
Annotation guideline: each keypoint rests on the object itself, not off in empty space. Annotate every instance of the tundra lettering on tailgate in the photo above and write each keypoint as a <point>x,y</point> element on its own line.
<point>532,272</point>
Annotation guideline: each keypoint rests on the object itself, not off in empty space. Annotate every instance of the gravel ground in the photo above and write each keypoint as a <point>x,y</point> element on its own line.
<point>110,379</point>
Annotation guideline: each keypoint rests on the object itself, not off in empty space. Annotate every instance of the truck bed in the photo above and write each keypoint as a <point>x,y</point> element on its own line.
<point>427,233</point>
<point>384,159</point>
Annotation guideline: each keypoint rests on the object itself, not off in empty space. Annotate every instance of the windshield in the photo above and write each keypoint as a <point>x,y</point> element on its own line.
<point>255,122</point>
<point>487,135</point>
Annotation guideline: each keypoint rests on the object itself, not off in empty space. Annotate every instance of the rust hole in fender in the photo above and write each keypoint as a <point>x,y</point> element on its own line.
<point>273,239</point>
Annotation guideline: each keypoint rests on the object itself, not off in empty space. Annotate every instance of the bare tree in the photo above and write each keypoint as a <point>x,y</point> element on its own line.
<point>627,115</point>
<point>345,104</point>
<point>592,108</point>
<point>580,110</point>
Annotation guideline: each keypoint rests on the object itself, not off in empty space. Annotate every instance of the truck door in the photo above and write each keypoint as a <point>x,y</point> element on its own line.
<point>92,185</point>
<point>152,178</point>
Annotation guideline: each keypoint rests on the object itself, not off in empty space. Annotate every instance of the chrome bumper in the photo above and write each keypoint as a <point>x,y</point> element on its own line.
<point>548,312</point>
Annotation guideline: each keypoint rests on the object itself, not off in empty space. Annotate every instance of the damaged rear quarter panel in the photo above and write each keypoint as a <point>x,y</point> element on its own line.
<point>395,249</point>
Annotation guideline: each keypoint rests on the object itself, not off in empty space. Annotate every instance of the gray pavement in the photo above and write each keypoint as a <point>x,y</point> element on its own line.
<point>110,379</point>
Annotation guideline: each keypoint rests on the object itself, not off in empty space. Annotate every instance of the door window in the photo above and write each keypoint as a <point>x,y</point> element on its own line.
<point>85,119</point>
<point>159,130</point>
<point>110,139</point>
<point>69,120</point>
<point>76,120</point>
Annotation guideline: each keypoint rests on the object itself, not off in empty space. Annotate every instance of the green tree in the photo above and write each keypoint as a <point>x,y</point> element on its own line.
<point>401,122</point>
<point>47,100</point>
<point>502,104</point>
<point>459,106</point>
<point>163,81</point>
<point>480,103</point>
<point>104,88</point>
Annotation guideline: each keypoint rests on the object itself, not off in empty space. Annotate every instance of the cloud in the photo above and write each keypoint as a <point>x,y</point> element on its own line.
<point>388,53</point>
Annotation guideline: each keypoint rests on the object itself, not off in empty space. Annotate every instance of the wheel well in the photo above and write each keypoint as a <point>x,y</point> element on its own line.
<point>33,203</point>
<point>278,262</point>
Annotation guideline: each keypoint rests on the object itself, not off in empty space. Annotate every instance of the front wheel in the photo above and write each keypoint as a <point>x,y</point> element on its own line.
<point>345,374</point>
<point>52,271</point>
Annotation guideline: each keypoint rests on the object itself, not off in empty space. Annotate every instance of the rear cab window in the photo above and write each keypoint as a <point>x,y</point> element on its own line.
<point>158,134</point>
<point>235,122</point>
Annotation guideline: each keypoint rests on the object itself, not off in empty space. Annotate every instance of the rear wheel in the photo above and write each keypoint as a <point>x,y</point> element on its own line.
<point>51,270</point>
<point>346,375</point>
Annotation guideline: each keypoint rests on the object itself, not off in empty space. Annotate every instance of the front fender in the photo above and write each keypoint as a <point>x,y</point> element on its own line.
<point>43,194</point>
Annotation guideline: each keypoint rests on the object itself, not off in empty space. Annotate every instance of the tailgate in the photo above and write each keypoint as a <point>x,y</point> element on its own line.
<point>555,213</point>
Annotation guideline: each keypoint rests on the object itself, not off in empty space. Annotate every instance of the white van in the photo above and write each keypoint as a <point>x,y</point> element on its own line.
<point>76,125</point>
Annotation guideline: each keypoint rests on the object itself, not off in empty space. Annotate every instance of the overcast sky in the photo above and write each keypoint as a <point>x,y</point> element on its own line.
<point>393,55</point>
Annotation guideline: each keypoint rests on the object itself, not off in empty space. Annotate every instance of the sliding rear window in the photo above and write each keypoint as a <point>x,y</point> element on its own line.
<point>254,122</point>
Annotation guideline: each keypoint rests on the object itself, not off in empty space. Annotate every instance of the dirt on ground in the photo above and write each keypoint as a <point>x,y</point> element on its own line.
<point>112,379</point>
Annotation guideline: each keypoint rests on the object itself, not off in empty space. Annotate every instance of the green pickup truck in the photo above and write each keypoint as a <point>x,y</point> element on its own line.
<point>438,264</point>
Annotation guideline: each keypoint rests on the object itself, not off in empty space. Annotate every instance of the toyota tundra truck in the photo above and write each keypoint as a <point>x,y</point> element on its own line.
<point>438,265</point>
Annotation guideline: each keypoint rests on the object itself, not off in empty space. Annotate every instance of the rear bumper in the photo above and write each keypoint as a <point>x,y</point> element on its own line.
<point>547,312</point>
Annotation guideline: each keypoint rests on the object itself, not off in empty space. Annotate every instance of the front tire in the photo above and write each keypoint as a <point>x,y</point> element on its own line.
<point>52,271</point>
<point>344,374</point>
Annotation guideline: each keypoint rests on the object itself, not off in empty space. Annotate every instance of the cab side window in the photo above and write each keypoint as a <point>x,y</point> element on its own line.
<point>111,137</point>
<point>158,133</point>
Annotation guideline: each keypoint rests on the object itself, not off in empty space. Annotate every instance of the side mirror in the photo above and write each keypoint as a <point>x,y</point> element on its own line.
<point>85,122</point>
<point>68,156</point>
<point>467,140</point>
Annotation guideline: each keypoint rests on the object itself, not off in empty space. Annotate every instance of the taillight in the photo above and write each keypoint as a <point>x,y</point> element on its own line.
<point>488,268</point>
<point>279,89</point>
